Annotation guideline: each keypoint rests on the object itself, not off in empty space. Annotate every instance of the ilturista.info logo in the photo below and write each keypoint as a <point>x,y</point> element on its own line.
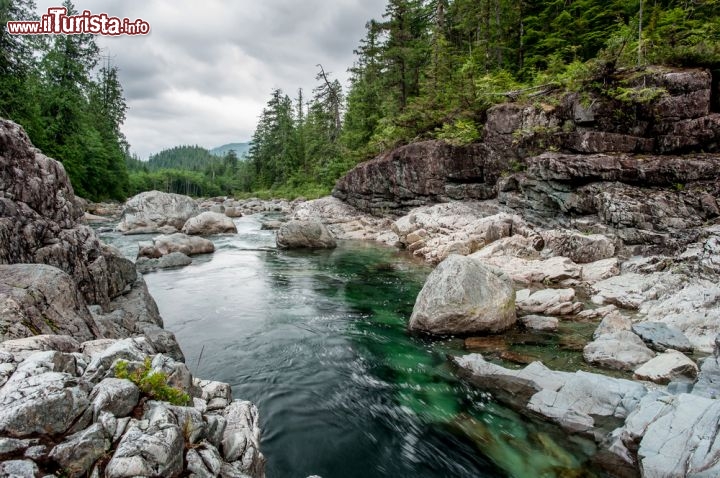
<point>57,21</point>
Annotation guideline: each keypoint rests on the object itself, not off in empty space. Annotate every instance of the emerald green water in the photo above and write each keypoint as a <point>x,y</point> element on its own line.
<point>318,341</point>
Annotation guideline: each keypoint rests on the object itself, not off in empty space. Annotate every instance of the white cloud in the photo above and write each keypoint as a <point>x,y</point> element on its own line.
<point>204,73</point>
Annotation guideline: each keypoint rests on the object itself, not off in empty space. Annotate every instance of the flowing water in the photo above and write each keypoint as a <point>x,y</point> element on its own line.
<point>318,340</point>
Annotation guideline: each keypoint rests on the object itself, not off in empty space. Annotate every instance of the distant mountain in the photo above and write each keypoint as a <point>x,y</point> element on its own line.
<point>241,149</point>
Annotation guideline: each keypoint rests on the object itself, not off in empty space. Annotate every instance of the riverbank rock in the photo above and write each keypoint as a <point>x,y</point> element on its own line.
<point>40,221</point>
<point>154,211</point>
<point>661,337</point>
<point>178,242</point>
<point>38,299</point>
<point>620,350</point>
<point>342,220</point>
<point>233,212</point>
<point>708,382</point>
<point>463,296</point>
<point>670,435</point>
<point>106,210</point>
<point>667,367</point>
<point>435,232</point>
<point>413,175</point>
<point>612,321</point>
<point>602,182</point>
<point>524,272</point>
<point>208,224</point>
<point>547,302</point>
<point>311,234</point>
<point>251,206</point>
<point>580,248</point>
<point>89,420</point>
<point>686,303</point>
<point>692,308</point>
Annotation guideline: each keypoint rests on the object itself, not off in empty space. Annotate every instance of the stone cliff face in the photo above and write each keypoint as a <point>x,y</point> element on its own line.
<point>639,167</point>
<point>40,221</point>
<point>417,174</point>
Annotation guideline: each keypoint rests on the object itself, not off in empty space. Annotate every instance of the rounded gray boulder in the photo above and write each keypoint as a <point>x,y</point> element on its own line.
<point>463,295</point>
<point>305,235</point>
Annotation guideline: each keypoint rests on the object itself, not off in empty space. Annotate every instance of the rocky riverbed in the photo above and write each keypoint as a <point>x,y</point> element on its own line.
<point>565,215</point>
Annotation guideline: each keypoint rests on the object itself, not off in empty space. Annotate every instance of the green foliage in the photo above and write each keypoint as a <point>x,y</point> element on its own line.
<point>193,158</point>
<point>151,383</point>
<point>636,95</point>
<point>459,132</point>
<point>71,109</point>
<point>188,170</point>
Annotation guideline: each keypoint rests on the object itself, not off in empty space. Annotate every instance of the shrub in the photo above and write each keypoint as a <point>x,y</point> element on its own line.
<point>152,383</point>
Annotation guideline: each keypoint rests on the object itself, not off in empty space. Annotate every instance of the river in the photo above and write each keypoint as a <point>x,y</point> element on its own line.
<point>318,340</point>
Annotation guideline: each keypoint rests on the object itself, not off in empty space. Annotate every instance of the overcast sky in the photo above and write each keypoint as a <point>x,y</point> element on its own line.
<point>205,71</point>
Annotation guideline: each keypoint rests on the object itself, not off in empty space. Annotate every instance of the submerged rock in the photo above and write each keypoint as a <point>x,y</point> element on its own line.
<point>310,234</point>
<point>172,260</point>
<point>540,322</point>
<point>271,225</point>
<point>494,343</point>
<point>579,402</point>
<point>178,242</point>
<point>208,224</point>
<point>155,211</point>
<point>463,296</point>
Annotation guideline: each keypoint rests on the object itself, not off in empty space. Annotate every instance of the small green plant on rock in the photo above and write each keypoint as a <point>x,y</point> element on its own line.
<point>152,383</point>
<point>637,95</point>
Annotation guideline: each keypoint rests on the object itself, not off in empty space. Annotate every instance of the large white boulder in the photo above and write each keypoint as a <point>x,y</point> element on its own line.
<point>461,296</point>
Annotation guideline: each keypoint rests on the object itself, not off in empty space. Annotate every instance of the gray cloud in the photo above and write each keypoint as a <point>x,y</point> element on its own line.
<point>204,73</point>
